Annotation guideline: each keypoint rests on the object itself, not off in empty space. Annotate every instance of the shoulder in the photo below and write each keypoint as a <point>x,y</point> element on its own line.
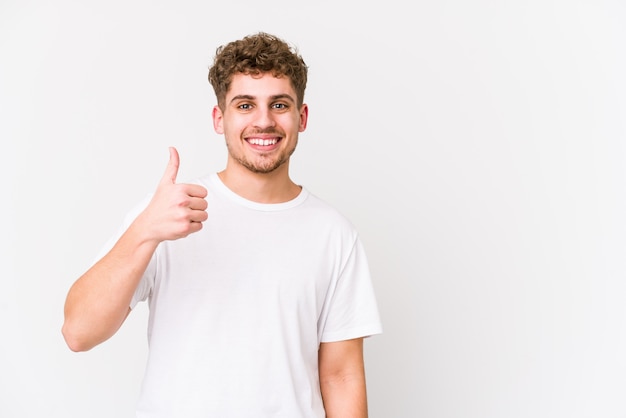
<point>327,214</point>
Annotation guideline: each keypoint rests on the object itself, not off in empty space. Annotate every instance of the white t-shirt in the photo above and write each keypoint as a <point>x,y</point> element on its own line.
<point>238,310</point>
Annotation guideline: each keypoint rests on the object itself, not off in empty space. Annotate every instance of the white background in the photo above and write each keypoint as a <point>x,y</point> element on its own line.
<point>479,147</point>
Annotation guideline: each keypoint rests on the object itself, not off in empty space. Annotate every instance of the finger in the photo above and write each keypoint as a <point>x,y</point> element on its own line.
<point>195,190</point>
<point>197,203</point>
<point>198,216</point>
<point>194,227</point>
<point>171,171</point>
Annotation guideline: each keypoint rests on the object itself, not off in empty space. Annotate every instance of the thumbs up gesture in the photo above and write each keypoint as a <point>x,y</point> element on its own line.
<point>175,210</point>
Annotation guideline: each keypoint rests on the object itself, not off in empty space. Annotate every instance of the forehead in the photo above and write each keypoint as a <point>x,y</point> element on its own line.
<point>261,86</point>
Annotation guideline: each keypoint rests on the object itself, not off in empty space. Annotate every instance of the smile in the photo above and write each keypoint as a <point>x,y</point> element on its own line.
<point>262,142</point>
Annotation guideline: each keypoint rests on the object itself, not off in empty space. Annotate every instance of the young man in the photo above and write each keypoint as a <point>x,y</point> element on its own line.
<point>259,292</point>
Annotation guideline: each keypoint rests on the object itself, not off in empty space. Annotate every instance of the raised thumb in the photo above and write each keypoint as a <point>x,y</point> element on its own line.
<point>171,171</point>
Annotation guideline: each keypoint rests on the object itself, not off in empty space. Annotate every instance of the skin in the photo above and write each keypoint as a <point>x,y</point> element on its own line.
<point>260,122</point>
<point>342,379</point>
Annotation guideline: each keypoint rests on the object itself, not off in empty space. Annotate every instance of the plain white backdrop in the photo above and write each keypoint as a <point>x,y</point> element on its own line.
<point>479,147</point>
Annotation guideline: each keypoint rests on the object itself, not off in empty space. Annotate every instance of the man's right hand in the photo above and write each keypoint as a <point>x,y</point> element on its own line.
<point>98,302</point>
<point>176,210</point>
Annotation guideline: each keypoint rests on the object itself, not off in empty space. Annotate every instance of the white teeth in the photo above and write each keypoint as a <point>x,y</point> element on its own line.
<point>264,142</point>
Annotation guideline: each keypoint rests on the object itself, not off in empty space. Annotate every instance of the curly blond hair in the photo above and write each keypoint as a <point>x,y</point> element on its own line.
<point>253,55</point>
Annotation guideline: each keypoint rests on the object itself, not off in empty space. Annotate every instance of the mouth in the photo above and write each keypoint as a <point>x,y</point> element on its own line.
<point>263,142</point>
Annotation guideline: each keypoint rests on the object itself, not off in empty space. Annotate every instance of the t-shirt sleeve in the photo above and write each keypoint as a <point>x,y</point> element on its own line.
<point>144,288</point>
<point>353,310</point>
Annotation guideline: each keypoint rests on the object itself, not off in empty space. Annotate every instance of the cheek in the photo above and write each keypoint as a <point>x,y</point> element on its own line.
<point>229,127</point>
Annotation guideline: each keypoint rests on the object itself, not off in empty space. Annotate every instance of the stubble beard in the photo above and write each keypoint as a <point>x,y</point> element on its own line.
<point>264,164</point>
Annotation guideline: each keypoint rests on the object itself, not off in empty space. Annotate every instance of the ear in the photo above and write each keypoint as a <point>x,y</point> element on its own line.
<point>304,117</point>
<point>218,120</point>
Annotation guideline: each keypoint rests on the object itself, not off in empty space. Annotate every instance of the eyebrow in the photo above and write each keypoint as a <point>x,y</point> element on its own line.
<point>274,97</point>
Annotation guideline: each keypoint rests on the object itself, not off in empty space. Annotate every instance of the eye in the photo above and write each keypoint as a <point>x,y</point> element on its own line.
<point>279,106</point>
<point>245,106</point>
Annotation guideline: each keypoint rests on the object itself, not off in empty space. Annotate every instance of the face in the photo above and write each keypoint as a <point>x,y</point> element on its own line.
<point>260,122</point>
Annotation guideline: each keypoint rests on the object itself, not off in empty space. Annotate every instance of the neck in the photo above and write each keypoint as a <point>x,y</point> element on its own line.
<point>274,187</point>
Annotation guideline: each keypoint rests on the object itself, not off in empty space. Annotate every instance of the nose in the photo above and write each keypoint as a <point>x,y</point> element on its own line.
<point>264,118</point>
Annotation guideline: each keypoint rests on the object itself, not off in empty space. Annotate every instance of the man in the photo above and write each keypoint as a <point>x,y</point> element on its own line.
<point>259,292</point>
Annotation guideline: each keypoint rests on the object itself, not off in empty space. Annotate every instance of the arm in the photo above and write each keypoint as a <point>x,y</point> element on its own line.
<point>342,379</point>
<point>98,302</point>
